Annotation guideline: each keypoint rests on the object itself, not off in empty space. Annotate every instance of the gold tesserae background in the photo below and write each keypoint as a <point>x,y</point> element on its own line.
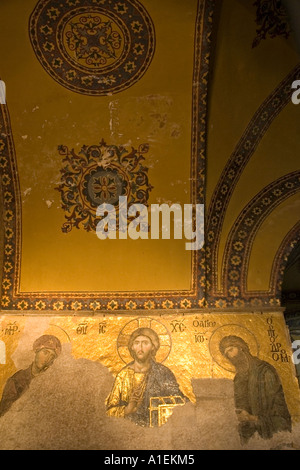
<point>156,110</point>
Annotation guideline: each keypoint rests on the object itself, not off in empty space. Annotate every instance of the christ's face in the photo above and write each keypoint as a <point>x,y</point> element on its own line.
<point>142,348</point>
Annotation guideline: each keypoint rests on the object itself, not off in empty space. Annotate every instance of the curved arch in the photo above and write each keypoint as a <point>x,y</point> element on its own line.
<point>241,237</point>
<point>11,204</point>
<point>282,257</point>
<point>2,163</point>
<point>1,239</point>
<point>232,171</point>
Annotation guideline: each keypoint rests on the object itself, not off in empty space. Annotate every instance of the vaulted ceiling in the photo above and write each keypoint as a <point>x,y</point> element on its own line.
<point>246,140</point>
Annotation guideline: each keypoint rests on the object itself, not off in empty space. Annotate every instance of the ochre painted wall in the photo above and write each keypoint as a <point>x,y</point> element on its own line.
<point>229,138</point>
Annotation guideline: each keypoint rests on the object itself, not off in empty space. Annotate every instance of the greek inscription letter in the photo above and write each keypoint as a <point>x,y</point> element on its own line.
<point>82,329</point>
<point>102,328</point>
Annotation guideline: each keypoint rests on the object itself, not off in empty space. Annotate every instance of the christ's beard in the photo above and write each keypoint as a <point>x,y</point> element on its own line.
<point>142,358</point>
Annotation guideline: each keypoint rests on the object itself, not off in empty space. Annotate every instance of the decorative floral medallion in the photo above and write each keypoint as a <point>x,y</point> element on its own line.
<point>93,47</point>
<point>272,20</point>
<point>79,199</point>
<point>100,174</point>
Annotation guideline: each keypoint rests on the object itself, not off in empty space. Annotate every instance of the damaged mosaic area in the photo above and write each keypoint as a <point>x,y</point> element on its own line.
<point>85,361</point>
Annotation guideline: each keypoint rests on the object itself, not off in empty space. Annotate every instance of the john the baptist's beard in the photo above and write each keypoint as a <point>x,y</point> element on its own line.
<point>240,361</point>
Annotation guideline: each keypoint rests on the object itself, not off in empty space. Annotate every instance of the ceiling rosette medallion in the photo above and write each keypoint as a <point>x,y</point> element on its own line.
<point>93,47</point>
<point>271,19</point>
<point>100,174</point>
